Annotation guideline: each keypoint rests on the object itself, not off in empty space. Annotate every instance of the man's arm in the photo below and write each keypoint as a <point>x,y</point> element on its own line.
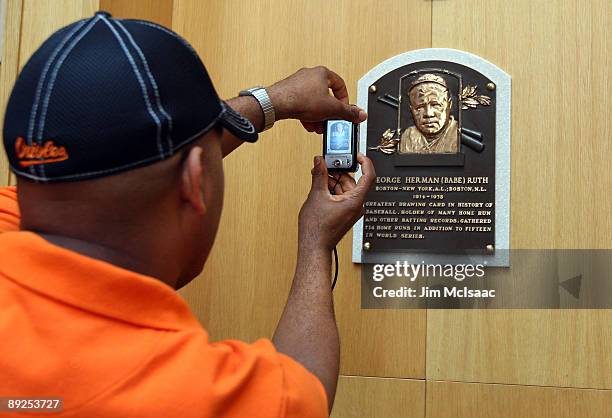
<point>307,329</point>
<point>248,107</point>
<point>304,96</point>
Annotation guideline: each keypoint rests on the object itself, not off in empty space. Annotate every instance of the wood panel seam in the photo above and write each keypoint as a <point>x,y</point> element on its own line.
<point>517,384</point>
<point>10,173</point>
<point>415,379</point>
<point>4,65</point>
<point>425,403</point>
<point>471,382</point>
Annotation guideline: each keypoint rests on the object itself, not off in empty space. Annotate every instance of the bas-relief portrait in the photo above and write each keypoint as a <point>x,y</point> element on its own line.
<point>435,129</point>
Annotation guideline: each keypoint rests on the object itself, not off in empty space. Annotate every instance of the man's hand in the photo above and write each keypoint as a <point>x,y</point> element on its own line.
<point>325,217</point>
<point>306,96</point>
<point>307,329</point>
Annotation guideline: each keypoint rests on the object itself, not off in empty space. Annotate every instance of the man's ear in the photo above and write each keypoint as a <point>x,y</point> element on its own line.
<point>191,180</point>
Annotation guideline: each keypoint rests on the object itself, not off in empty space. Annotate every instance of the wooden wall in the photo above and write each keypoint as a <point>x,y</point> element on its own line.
<point>410,363</point>
<point>9,66</point>
<point>268,182</point>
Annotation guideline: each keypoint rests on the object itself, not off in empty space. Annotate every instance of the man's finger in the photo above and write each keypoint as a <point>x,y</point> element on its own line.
<point>309,126</point>
<point>319,175</point>
<point>368,174</point>
<point>348,112</point>
<point>319,127</point>
<point>334,186</point>
<point>347,182</point>
<point>337,86</point>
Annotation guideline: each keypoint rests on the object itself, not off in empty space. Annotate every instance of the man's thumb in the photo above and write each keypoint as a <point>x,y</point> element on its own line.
<point>351,113</point>
<point>319,174</point>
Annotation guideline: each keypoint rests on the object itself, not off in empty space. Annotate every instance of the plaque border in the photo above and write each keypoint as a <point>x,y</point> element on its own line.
<point>503,82</point>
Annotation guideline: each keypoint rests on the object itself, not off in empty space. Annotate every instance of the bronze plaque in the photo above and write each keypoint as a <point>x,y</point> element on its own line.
<point>438,132</point>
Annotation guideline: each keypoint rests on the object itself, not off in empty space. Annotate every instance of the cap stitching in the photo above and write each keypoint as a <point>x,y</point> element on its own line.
<point>169,32</point>
<point>114,169</point>
<point>240,118</point>
<point>153,83</point>
<point>41,81</point>
<point>145,94</point>
<point>47,97</point>
<point>195,54</point>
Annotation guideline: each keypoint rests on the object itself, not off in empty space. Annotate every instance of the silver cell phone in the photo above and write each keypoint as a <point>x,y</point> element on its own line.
<point>340,145</point>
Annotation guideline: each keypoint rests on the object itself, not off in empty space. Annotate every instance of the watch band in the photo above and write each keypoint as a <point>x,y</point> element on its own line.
<point>261,95</point>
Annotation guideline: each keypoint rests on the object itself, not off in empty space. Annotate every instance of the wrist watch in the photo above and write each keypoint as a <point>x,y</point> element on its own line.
<point>261,95</point>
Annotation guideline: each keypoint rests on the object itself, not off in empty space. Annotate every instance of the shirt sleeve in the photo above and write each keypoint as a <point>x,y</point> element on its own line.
<point>255,377</point>
<point>302,400</point>
<point>9,210</point>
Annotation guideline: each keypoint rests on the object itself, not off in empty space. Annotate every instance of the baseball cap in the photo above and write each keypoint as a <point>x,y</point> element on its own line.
<point>106,95</point>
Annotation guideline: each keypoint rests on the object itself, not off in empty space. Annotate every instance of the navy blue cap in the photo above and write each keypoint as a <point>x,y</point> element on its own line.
<point>105,95</point>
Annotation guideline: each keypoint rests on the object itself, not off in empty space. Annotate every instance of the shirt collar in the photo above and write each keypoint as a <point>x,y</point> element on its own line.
<point>90,284</point>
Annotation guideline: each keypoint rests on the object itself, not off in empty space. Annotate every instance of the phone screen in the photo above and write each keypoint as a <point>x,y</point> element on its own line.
<point>339,137</point>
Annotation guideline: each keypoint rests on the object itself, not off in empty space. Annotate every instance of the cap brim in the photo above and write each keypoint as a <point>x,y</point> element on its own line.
<point>237,124</point>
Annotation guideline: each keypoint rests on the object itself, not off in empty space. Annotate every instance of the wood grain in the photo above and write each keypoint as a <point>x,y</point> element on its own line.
<point>245,283</point>
<point>545,347</point>
<point>365,397</point>
<point>556,53</point>
<point>41,19</point>
<point>28,24</point>
<point>558,56</point>
<point>9,68</point>
<point>467,400</point>
<point>159,11</point>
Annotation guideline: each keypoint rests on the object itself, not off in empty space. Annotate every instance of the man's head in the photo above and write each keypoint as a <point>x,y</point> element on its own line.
<point>113,128</point>
<point>430,104</point>
<point>171,209</point>
<point>340,128</point>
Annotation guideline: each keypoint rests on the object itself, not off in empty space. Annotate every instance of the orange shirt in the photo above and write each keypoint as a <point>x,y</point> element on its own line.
<point>115,343</point>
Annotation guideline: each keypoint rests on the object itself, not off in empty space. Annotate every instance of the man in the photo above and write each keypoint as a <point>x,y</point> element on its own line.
<point>435,129</point>
<point>117,136</point>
